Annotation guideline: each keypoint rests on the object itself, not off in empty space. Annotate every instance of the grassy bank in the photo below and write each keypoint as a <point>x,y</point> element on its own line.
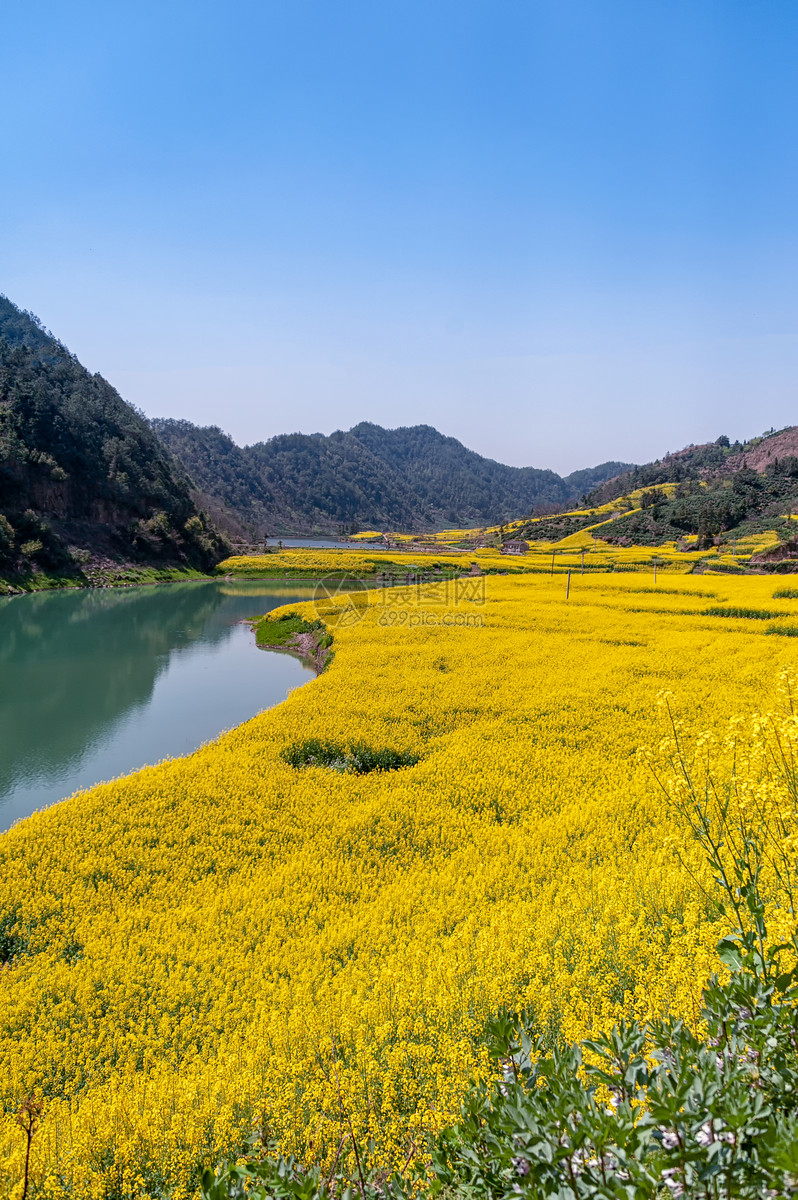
<point>310,640</point>
<point>123,575</point>
<point>259,935</point>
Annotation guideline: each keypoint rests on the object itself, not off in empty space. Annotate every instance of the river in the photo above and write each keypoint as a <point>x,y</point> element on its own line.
<point>96,683</point>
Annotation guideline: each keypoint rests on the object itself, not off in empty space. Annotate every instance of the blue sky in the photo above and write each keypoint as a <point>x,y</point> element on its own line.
<point>562,232</point>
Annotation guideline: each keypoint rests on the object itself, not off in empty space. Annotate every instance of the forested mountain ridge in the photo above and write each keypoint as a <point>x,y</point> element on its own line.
<point>411,478</point>
<point>81,471</point>
<point>459,481</point>
<point>294,483</point>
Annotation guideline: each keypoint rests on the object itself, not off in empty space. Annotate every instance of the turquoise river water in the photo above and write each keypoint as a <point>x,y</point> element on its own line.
<point>97,683</point>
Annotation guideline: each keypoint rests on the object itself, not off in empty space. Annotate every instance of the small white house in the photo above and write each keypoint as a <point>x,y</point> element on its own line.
<point>515,547</point>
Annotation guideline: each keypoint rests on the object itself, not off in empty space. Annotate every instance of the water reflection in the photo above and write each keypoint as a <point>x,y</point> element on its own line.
<point>96,683</point>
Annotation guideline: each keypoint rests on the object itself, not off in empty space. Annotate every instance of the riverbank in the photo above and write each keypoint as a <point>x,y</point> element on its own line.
<point>104,576</point>
<point>309,641</point>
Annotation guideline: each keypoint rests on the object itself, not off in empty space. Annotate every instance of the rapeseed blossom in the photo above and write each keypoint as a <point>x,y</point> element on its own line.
<point>581,552</point>
<point>223,942</point>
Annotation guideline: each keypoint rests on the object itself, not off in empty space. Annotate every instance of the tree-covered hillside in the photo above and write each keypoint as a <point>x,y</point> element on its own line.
<point>81,471</point>
<point>411,479</point>
<point>716,491</point>
<point>462,486</point>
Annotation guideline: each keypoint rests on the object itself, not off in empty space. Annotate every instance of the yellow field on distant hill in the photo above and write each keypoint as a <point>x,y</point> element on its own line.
<point>584,551</point>
<point>226,941</point>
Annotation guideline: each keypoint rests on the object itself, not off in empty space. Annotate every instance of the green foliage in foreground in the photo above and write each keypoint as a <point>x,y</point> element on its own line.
<point>649,1110</point>
<point>659,1110</point>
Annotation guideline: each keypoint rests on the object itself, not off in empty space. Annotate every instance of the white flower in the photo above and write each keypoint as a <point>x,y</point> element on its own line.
<point>669,1179</point>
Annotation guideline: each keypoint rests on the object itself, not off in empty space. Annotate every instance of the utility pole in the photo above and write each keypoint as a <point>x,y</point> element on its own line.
<point>568,586</point>
<point>552,561</point>
<point>583,562</point>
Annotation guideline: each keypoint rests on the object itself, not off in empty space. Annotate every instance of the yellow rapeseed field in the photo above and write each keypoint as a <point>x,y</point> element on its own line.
<point>584,551</point>
<point>224,942</point>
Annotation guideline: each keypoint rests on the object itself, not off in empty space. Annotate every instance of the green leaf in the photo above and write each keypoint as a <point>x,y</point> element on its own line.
<point>729,954</point>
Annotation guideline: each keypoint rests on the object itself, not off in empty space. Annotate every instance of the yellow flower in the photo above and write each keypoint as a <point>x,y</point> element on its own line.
<point>224,942</point>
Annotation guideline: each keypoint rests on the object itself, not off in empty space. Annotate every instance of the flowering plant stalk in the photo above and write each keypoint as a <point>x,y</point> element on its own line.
<point>652,1108</point>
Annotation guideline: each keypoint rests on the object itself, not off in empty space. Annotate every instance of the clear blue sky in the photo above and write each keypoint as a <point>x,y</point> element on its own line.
<point>562,231</point>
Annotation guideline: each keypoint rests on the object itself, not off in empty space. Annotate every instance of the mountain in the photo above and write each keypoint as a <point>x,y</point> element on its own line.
<point>412,479</point>
<point>81,472</point>
<point>717,491</point>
